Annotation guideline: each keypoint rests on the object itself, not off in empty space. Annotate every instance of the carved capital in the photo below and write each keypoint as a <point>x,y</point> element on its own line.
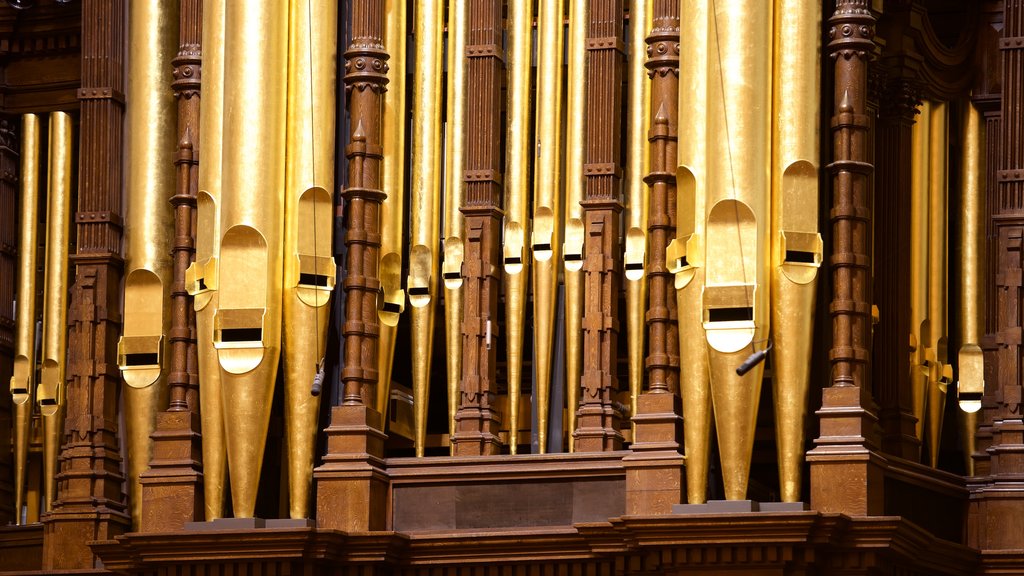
<point>663,52</point>
<point>900,97</point>
<point>851,30</point>
<point>187,71</point>
<point>366,67</point>
<point>8,134</point>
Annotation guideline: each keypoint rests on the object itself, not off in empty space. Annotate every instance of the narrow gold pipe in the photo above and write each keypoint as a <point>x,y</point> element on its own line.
<point>50,393</point>
<point>392,302</point>
<point>247,324</point>
<point>971,369</point>
<point>919,325</point>
<point>201,276</point>
<point>637,205</point>
<point>546,238</point>
<point>152,123</point>
<point>309,271</point>
<point>516,252</point>
<point>685,254</point>
<point>796,250</point>
<point>426,200</point>
<point>736,289</point>
<point>455,158</point>
<point>939,371</point>
<point>23,380</point>
<point>572,249</point>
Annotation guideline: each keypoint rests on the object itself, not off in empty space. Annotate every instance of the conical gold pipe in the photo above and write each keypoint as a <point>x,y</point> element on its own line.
<point>426,204</point>
<point>796,249</point>
<point>152,124</point>
<point>309,271</point>
<point>247,324</point>
<point>637,162</point>
<point>201,276</point>
<point>392,302</point>
<point>939,371</point>
<point>685,254</point>
<point>736,289</point>
<point>919,336</point>
<point>970,364</point>
<point>455,158</point>
<point>23,380</point>
<point>547,223</point>
<point>50,393</point>
<point>572,249</point>
<point>516,252</point>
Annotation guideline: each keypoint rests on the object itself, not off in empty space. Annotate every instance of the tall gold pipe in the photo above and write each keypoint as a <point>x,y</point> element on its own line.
<point>392,303</point>
<point>51,393</point>
<point>939,371</point>
<point>247,325</point>
<point>637,161</point>
<point>736,290</point>
<point>309,212</point>
<point>546,238</point>
<point>455,158</point>
<point>572,250</point>
<point>685,254</point>
<point>149,231</point>
<point>23,380</point>
<point>426,200</point>
<point>516,252</point>
<point>201,276</point>
<point>796,245</point>
<point>919,325</point>
<point>971,377</point>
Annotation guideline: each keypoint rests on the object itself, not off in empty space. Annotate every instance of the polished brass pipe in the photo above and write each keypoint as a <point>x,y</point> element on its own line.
<point>939,371</point>
<point>50,393</point>
<point>426,200</point>
<point>23,380</point>
<point>144,349</point>
<point>309,270</point>
<point>919,325</point>
<point>572,249</point>
<point>454,239</point>
<point>247,324</point>
<point>516,252</point>
<point>547,223</point>
<point>201,276</point>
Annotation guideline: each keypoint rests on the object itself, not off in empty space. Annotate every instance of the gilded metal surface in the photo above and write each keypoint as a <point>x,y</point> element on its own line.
<point>939,371</point>
<point>50,393</point>
<point>23,380</point>
<point>796,247</point>
<point>453,191</point>
<point>201,277</point>
<point>516,252</point>
<point>546,238</point>
<point>247,324</point>
<point>919,325</point>
<point>426,203</point>
<point>309,268</point>
<point>144,348</point>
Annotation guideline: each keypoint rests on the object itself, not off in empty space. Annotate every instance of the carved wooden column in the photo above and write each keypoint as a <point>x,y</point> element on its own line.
<point>351,488</point>
<point>476,428</point>
<point>844,475</point>
<point>8,264</point>
<point>598,416</point>
<point>89,497</point>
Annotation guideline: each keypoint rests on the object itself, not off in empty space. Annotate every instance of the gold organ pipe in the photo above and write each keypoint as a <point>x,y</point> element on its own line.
<point>736,290</point>
<point>23,380</point>
<point>685,254</point>
<point>516,252</point>
<point>309,271</point>
<point>144,348</point>
<point>454,238</point>
<point>546,204</point>
<point>919,337</point>
<point>939,371</point>
<point>971,369</point>
<point>637,162</point>
<point>426,200</point>
<point>247,325</point>
<point>201,276</point>
<point>50,393</point>
<point>392,302</point>
<point>572,250</point>
<point>796,245</point>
